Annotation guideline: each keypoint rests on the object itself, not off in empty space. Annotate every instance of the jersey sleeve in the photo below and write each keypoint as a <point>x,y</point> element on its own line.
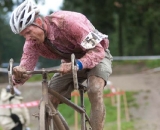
<point>29,57</point>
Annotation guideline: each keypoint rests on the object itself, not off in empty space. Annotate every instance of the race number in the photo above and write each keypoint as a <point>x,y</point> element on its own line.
<point>92,39</point>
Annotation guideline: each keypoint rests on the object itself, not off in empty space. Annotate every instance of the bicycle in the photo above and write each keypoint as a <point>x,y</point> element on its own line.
<point>49,117</point>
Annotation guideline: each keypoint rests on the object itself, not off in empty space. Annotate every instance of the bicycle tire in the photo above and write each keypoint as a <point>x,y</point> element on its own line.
<point>42,116</point>
<point>45,122</point>
<point>49,122</point>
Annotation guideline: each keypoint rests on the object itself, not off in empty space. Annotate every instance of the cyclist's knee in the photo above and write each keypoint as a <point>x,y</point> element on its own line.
<point>95,86</point>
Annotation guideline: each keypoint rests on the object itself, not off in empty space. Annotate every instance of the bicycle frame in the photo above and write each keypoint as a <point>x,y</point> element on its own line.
<point>46,102</point>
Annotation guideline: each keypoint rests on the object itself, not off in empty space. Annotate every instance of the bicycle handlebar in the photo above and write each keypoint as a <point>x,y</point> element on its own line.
<point>42,71</point>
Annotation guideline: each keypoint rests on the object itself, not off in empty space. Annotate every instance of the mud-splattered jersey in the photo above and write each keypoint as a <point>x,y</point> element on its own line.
<point>69,32</point>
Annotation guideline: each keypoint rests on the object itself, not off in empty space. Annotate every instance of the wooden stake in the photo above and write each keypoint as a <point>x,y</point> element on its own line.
<point>126,107</point>
<point>113,100</point>
<point>75,112</point>
<point>118,111</point>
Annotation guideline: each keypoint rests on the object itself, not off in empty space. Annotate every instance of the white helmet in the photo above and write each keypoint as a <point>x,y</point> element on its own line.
<point>23,16</point>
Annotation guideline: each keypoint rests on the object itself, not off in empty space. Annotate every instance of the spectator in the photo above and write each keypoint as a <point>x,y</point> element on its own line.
<point>13,118</point>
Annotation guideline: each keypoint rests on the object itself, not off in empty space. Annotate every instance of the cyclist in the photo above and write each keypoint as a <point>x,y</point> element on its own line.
<point>56,36</point>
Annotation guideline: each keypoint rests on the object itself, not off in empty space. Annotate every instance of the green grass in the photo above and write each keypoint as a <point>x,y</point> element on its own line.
<point>38,77</point>
<point>147,63</point>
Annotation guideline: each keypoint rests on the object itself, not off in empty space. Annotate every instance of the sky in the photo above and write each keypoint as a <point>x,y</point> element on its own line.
<point>50,5</point>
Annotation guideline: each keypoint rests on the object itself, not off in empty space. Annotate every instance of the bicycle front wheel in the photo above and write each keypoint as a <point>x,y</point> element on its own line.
<point>42,116</point>
<point>45,120</point>
<point>58,124</point>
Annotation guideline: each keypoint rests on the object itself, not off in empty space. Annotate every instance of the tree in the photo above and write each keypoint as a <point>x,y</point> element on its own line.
<point>132,25</point>
<point>99,13</point>
<point>142,23</point>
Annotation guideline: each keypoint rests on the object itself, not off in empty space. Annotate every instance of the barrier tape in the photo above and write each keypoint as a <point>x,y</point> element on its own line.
<point>27,104</point>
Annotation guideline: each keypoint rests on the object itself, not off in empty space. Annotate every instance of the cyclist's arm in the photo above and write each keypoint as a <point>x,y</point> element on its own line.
<point>93,57</point>
<point>28,62</point>
<point>29,57</point>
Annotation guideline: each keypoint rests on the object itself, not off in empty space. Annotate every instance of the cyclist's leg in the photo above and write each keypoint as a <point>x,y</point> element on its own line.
<point>97,78</point>
<point>64,84</point>
<point>95,94</point>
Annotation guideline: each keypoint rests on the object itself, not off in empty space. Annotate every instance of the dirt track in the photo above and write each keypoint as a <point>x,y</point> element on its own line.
<point>146,115</point>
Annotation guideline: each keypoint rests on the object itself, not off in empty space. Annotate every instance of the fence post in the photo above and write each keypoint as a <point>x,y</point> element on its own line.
<point>75,112</point>
<point>118,110</point>
<point>126,107</point>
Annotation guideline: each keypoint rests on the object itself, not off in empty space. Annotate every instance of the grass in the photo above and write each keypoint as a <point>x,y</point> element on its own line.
<point>147,63</point>
<point>38,77</point>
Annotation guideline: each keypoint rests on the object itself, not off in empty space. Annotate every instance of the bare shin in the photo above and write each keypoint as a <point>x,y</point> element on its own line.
<point>95,94</point>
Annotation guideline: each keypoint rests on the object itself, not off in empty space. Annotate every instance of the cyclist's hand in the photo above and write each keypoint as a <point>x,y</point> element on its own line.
<point>65,68</point>
<point>19,74</point>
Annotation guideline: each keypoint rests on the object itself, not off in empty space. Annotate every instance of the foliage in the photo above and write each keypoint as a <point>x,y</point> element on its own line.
<point>132,26</point>
<point>98,12</point>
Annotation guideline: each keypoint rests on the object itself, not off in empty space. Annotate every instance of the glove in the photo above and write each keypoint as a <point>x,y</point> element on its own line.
<point>27,128</point>
<point>19,75</point>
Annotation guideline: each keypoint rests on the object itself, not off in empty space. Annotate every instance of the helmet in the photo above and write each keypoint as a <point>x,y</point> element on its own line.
<point>23,16</point>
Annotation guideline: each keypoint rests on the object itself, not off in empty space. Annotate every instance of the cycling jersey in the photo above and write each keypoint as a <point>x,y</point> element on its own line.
<point>70,32</point>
